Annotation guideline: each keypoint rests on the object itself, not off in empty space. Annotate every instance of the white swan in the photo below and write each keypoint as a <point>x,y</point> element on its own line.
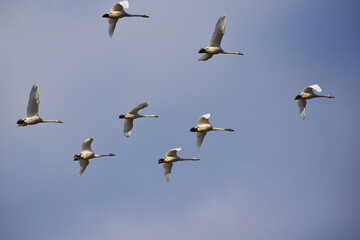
<point>308,93</point>
<point>116,12</point>
<point>32,116</point>
<point>171,157</point>
<point>131,115</point>
<point>203,127</point>
<point>214,46</point>
<point>86,154</point>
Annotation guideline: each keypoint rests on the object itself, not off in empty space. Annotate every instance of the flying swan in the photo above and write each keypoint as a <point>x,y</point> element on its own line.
<point>214,46</point>
<point>86,154</point>
<point>116,12</point>
<point>131,115</point>
<point>171,156</point>
<point>308,93</point>
<point>32,116</point>
<point>203,127</point>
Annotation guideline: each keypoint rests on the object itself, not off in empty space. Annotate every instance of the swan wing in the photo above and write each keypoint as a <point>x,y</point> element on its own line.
<point>172,152</point>
<point>33,104</point>
<point>119,7</point>
<point>205,57</point>
<point>199,139</point>
<point>167,170</point>
<point>86,146</point>
<point>128,125</point>
<point>309,89</point>
<point>112,25</point>
<point>139,107</point>
<point>204,119</point>
<point>218,32</point>
<point>83,164</point>
<point>302,110</point>
<point>316,87</point>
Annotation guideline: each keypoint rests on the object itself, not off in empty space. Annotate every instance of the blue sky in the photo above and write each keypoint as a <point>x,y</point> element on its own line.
<point>275,177</point>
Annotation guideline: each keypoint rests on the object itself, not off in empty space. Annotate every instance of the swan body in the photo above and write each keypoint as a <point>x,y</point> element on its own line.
<point>203,127</point>
<point>131,115</point>
<point>308,93</point>
<point>32,116</point>
<point>86,154</point>
<point>170,158</point>
<point>214,46</point>
<point>116,12</point>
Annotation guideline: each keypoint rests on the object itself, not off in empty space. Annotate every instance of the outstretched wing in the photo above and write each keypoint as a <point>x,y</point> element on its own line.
<point>86,146</point>
<point>172,152</point>
<point>120,6</point>
<point>309,89</point>
<point>128,125</point>
<point>199,139</point>
<point>218,32</point>
<point>83,164</point>
<point>167,170</point>
<point>204,119</point>
<point>139,107</point>
<point>302,110</point>
<point>205,57</point>
<point>112,25</point>
<point>33,104</point>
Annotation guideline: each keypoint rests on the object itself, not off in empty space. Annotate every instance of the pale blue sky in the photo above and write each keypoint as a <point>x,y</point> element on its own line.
<point>275,177</point>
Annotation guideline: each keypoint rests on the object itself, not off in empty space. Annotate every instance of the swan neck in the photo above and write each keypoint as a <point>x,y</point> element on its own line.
<point>189,159</point>
<point>104,155</point>
<point>218,129</point>
<point>237,53</point>
<point>137,15</point>
<point>49,121</point>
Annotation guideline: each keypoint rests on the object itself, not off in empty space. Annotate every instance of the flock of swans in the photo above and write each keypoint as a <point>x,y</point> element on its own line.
<point>203,124</point>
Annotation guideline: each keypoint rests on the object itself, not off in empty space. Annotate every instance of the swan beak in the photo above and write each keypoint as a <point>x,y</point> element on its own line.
<point>105,15</point>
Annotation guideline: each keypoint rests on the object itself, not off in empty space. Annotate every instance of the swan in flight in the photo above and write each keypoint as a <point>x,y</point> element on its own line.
<point>131,115</point>
<point>86,154</point>
<point>214,46</point>
<point>116,12</point>
<point>171,157</point>
<point>32,116</point>
<point>203,127</point>
<point>308,93</point>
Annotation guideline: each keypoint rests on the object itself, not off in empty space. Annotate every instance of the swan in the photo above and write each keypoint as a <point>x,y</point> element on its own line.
<point>116,12</point>
<point>308,93</point>
<point>131,115</point>
<point>203,127</point>
<point>86,154</point>
<point>32,116</point>
<point>171,156</point>
<point>214,46</point>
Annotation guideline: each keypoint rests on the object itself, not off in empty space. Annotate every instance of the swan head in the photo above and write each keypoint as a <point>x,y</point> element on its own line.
<point>202,50</point>
<point>77,157</point>
<point>21,122</point>
<point>106,15</point>
<point>161,160</point>
<point>122,116</point>
<point>193,129</point>
<point>298,97</point>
